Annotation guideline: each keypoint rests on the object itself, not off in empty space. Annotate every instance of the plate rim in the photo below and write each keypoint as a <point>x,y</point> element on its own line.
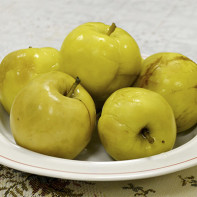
<point>104,176</point>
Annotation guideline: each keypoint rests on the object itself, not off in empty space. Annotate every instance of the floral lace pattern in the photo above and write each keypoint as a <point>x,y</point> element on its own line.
<point>14,183</point>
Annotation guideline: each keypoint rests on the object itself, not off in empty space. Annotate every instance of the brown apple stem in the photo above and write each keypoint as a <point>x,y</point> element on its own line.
<point>111,29</point>
<point>147,135</point>
<point>73,87</point>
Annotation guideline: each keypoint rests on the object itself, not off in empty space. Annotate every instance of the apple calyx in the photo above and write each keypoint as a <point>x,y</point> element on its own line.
<point>111,29</point>
<point>146,134</point>
<point>73,87</point>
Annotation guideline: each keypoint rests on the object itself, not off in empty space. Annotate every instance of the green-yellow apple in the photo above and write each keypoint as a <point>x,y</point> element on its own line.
<point>105,58</point>
<point>19,67</point>
<point>136,123</point>
<point>53,115</point>
<point>174,76</point>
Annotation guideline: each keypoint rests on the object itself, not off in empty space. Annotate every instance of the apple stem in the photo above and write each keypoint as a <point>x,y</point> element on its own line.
<point>147,135</point>
<point>73,87</point>
<point>111,29</point>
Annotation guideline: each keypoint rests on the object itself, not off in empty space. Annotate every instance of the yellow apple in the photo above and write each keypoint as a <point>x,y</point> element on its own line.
<point>53,115</point>
<point>21,66</point>
<point>136,123</point>
<point>105,58</point>
<point>174,76</point>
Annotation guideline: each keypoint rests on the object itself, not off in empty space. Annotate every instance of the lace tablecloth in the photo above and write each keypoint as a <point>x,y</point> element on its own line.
<point>156,25</point>
<point>15,183</point>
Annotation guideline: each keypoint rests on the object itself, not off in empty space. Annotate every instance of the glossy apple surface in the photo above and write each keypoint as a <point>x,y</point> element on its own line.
<point>136,123</point>
<point>104,58</point>
<point>20,66</point>
<point>174,76</point>
<point>45,120</point>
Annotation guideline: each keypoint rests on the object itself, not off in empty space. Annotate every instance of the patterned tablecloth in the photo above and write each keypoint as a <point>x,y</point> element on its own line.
<point>179,184</point>
<point>157,26</point>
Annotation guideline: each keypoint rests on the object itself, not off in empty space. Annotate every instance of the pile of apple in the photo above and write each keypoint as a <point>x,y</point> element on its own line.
<point>53,96</point>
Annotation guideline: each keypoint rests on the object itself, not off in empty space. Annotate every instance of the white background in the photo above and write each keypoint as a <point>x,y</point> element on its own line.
<point>157,25</point>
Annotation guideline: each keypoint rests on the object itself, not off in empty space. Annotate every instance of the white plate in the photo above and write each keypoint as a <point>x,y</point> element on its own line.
<point>93,163</point>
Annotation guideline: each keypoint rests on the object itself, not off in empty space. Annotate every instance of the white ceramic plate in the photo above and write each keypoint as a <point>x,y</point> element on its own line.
<point>93,163</point>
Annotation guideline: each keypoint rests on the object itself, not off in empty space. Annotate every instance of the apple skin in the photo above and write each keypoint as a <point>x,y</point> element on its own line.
<point>174,76</point>
<point>125,113</point>
<point>19,67</point>
<point>103,62</point>
<point>43,120</point>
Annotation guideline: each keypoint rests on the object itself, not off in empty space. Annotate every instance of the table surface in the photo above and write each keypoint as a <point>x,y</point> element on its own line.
<point>157,26</point>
